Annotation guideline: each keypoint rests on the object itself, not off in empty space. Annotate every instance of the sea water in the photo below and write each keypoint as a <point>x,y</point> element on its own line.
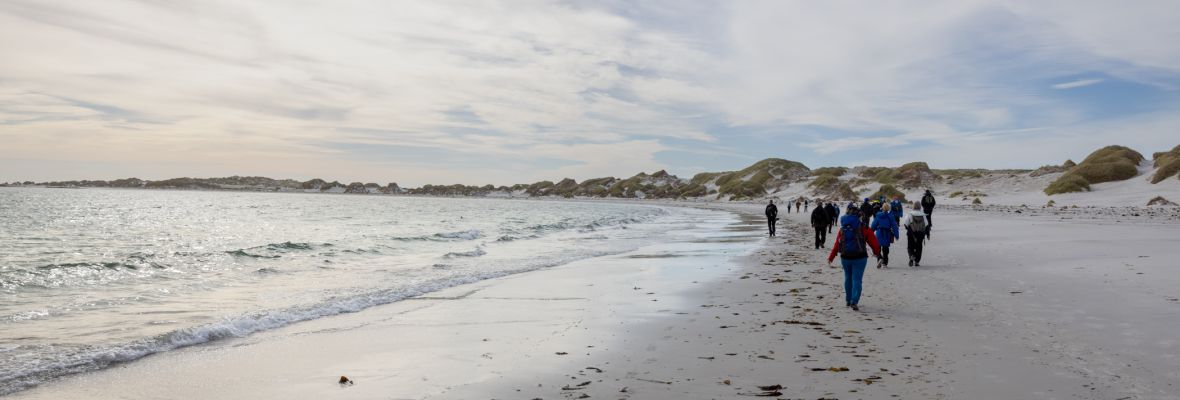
<point>94,277</point>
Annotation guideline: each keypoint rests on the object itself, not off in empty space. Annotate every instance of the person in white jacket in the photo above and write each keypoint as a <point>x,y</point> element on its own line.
<point>915,222</point>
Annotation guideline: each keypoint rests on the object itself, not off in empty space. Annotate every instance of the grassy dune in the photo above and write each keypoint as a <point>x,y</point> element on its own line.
<point>1167,164</point>
<point>1108,164</point>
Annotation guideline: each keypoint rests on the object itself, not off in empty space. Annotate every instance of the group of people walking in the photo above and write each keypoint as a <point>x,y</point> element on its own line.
<point>800,202</point>
<point>873,225</point>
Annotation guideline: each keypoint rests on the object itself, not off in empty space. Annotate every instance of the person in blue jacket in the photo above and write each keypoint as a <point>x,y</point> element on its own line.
<point>851,242</point>
<point>885,229</point>
<point>897,209</point>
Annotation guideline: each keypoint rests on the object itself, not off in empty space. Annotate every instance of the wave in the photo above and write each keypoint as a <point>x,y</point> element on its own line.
<point>92,265</point>
<point>243,253</point>
<point>25,372</point>
<point>269,250</point>
<point>76,274</point>
<point>510,238</point>
<point>471,234</point>
<point>474,253</point>
<point>294,246</point>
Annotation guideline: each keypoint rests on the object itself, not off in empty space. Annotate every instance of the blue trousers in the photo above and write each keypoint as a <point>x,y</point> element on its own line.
<point>854,273</point>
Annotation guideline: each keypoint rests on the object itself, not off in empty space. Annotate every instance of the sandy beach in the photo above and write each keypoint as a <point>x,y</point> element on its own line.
<point>1013,306</point>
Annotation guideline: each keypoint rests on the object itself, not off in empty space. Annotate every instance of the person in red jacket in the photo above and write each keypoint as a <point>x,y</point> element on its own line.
<point>850,244</point>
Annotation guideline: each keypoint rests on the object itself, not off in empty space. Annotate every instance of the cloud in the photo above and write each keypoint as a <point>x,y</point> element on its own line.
<point>1076,84</point>
<point>539,87</point>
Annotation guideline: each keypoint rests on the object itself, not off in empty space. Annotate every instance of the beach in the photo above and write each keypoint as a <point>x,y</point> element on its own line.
<point>1002,307</point>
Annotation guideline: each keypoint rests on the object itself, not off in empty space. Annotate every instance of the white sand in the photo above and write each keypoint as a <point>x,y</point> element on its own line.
<point>1005,306</point>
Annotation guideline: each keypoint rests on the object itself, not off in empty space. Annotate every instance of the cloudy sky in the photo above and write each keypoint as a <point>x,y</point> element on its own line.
<point>516,91</point>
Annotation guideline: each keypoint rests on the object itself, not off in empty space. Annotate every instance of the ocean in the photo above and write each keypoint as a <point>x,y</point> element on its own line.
<point>95,277</point>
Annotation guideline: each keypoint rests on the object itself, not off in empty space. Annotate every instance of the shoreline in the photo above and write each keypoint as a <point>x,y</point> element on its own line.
<point>658,260</point>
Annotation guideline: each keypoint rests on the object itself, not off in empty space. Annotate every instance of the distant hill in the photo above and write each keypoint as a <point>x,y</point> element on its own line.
<point>769,178</point>
<point>243,183</point>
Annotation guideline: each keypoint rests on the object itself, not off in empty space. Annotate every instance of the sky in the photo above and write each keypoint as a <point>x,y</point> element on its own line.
<point>479,92</point>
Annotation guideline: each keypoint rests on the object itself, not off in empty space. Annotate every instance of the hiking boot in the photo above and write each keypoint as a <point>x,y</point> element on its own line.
<point>879,264</point>
<point>855,308</point>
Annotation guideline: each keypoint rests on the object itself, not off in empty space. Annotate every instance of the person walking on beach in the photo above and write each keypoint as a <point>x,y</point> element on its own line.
<point>897,208</point>
<point>850,243</point>
<point>915,233</point>
<point>798,203</point>
<point>885,227</point>
<point>865,212</point>
<point>820,221</point>
<point>806,204</point>
<point>928,208</point>
<point>772,215</point>
<point>833,214</point>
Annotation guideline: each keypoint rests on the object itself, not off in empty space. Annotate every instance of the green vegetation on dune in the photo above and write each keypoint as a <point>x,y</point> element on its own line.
<point>540,188</point>
<point>876,173</point>
<point>910,176</point>
<point>1108,164</point>
<point>953,175</point>
<point>915,175</point>
<point>824,182</point>
<point>757,179</point>
<point>1167,164</point>
<point>888,192</point>
<point>832,187</point>
<point>1053,169</point>
<point>697,185</point>
<point>1112,163</point>
<point>1068,183</point>
<point>597,187</point>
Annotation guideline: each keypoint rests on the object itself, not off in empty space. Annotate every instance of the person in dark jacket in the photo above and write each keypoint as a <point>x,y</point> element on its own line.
<point>865,212</point>
<point>833,215</point>
<point>771,216</point>
<point>897,209</point>
<point>885,228</point>
<point>853,257</point>
<point>820,221</point>
<point>928,209</point>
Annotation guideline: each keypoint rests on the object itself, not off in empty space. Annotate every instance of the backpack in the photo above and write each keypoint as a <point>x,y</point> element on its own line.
<point>918,223</point>
<point>928,201</point>
<point>853,244</point>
